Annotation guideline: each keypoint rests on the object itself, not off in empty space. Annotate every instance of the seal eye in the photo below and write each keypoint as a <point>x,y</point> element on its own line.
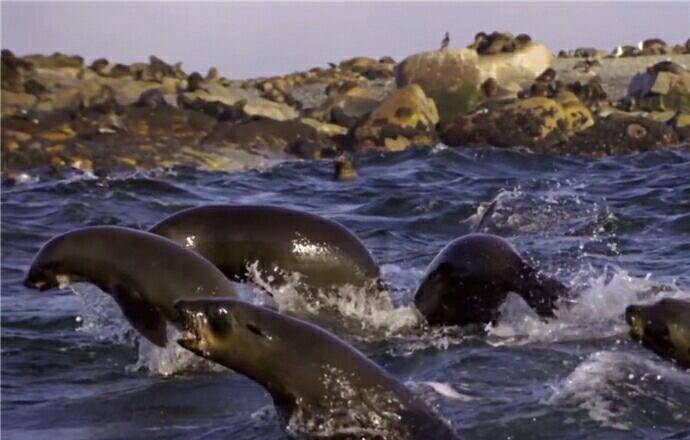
<point>219,322</point>
<point>657,329</point>
<point>254,329</point>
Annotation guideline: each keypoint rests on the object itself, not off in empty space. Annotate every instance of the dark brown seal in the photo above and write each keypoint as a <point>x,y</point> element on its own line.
<point>470,278</point>
<point>279,240</point>
<point>145,273</point>
<point>663,327</point>
<point>316,379</point>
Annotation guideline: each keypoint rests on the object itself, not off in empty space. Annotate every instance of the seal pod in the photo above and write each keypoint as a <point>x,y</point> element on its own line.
<point>317,381</point>
<point>663,327</point>
<point>279,240</point>
<point>144,273</point>
<point>470,278</point>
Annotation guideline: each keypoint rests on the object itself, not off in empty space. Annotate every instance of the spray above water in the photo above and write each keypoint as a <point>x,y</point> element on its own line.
<point>365,309</point>
<point>610,385</point>
<point>596,312</point>
<point>102,319</point>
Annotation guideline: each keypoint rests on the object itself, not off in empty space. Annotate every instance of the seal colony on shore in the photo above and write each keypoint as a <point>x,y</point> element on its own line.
<point>63,114</point>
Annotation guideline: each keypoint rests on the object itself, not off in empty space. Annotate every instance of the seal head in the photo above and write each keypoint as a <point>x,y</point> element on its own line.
<point>315,378</point>
<point>663,327</point>
<point>143,272</point>
<point>470,278</point>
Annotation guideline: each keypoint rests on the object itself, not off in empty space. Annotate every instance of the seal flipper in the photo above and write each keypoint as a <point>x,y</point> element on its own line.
<point>143,315</point>
<point>284,405</point>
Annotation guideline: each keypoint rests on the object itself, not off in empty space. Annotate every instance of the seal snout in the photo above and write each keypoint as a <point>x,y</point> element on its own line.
<point>38,281</point>
<point>191,318</point>
<point>31,284</point>
<point>634,318</point>
<point>631,315</point>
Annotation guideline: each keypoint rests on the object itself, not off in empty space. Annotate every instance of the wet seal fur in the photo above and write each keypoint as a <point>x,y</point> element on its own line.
<point>312,375</point>
<point>281,240</point>
<point>470,278</point>
<point>143,272</point>
<point>663,327</point>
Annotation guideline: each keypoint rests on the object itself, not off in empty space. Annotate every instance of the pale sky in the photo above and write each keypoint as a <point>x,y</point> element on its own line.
<point>252,39</point>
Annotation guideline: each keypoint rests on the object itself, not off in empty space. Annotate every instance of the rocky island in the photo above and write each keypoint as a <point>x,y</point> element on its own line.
<point>502,91</point>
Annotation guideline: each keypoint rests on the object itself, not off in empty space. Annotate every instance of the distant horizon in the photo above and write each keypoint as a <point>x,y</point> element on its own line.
<point>264,39</point>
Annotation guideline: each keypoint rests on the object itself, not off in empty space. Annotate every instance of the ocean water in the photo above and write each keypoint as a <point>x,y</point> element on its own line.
<point>616,230</point>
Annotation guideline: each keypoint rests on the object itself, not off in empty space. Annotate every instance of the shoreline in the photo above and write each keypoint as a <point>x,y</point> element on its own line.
<point>59,113</point>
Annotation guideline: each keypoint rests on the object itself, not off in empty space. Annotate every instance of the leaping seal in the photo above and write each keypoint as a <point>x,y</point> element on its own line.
<point>663,327</point>
<point>143,272</point>
<point>281,240</point>
<point>470,278</point>
<point>310,373</point>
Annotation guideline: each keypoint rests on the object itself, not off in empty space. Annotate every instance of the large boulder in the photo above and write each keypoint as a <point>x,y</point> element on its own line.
<point>369,67</point>
<point>127,90</point>
<point>292,137</point>
<point>454,78</point>
<point>664,86</point>
<point>407,117</point>
<point>450,77</point>
<point>348,103</point>
<point>252,104</point>
<point>536,122</point>
<point>517,69</point>
<point>14,103</point>
<point>14,71</point>
<point>620,133</point>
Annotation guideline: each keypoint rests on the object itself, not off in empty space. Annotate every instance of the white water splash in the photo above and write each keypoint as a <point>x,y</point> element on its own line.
<point>517,210</point>
<point>370,308</point>
<point>596,312</point>
<point>170,360</point>
<point>587,388</point>
<point>595,386</point>
<point>103,320</point>
<point>417,339</point>
<point>442,388</point>
<point>101,317</point>
<point>265,416</point>
<point>366,315</point>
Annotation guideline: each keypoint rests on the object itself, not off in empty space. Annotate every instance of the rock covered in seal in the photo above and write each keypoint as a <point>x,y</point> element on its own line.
<point>455,79</point>
<point>498,42</point>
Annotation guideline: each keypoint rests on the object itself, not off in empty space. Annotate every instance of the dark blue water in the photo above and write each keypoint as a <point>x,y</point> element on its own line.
<point>617,230</point>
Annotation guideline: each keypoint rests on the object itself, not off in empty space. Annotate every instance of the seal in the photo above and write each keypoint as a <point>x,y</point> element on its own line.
<point>144,273</point>
<point>280,240</point>
<point>345,169</point>
<point>470,278</point>
<point>315,378</point>
<point>663,327</point>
